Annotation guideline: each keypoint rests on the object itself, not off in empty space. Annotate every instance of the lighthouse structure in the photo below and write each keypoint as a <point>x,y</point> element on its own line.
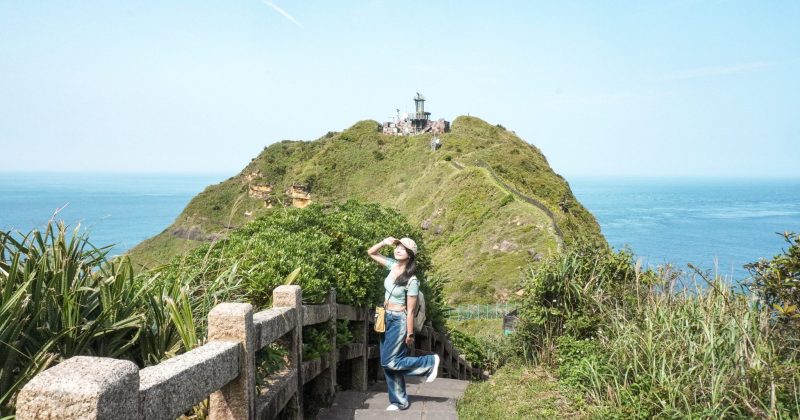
<point>416,122</point>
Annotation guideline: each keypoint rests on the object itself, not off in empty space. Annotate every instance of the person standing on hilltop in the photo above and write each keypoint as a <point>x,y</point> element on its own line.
<point>401,288</point>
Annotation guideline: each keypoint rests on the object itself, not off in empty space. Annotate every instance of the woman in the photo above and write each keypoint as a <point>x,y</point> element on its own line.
<point>401,288</point>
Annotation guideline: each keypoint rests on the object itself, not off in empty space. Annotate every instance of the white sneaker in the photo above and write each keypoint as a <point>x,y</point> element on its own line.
<point>435,371</point>
<point>392,407</point>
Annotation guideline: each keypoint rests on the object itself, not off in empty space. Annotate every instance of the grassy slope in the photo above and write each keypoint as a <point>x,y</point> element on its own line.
<point>516,391</point>
<point>402,172</point>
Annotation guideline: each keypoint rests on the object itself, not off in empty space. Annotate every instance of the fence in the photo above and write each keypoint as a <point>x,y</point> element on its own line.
<point>484,311</point>
<point>224,368</point>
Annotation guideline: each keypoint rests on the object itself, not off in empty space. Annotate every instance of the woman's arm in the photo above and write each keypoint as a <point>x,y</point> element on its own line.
<point>411,304</point>
<point>373,251</point>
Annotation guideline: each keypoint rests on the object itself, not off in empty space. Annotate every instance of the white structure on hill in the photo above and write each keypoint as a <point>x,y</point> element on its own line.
<point>416,122</point>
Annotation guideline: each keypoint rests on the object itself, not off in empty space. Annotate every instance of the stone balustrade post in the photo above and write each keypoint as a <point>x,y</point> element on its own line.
<point>447,359</point>
<point>325,383</point>
<point>439,348</point>
<point>359,366</point>
<point>82,387</point>
<point>234,322</point>
<point>427,342</point>
<point>453,360</point>
<point>292,297</point>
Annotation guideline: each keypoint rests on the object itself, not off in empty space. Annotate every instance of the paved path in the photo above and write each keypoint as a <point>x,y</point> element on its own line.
<point>436,400</point>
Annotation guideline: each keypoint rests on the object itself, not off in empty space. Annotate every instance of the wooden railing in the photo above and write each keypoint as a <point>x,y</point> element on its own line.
<point>224,369</point>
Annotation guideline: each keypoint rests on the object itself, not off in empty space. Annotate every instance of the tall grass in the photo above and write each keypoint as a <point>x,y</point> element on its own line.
<point>637,349</point>
<point>709,352</point>
<point>59,300</point>
<point>60,296</point>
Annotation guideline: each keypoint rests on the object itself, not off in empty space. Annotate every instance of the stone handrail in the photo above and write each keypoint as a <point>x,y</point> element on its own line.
<point>224,368</point>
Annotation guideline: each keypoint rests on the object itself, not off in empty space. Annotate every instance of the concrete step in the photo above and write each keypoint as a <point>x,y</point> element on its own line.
<point>436,400</point>
<point>369,414</point>
<point>381,413</point>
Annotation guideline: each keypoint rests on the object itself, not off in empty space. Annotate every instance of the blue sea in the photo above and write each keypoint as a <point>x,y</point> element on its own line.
<point>116,209</point>
<point>718,225</point>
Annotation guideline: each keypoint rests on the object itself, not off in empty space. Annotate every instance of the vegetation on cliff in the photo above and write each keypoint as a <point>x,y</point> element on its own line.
<point>479,233</point>
<point>628,342</point>
<point>62,297</point>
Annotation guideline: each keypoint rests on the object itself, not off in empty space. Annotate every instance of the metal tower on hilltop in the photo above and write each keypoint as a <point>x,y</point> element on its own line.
<point>419,119</point>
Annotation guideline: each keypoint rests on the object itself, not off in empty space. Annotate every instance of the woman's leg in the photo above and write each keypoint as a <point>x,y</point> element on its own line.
<point>396,388</point>
<point>391,345</point>
<point>394,353</point>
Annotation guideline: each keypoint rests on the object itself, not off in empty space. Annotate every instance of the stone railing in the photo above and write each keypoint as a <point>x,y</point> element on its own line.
<point>224,369</point>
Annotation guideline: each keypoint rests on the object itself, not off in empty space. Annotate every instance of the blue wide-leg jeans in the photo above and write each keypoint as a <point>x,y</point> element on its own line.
<point>395,360</point>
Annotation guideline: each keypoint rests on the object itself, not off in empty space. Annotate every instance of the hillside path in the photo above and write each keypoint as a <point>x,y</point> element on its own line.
<point>559,236</point>
<point>436,400</point>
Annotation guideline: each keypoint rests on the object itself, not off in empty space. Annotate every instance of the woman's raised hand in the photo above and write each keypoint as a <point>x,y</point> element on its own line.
<point>389,241</point>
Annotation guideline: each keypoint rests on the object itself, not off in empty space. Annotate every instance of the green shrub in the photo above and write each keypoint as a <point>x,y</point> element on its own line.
<point>316,341</point>
<point>487,352</point>
<point>576,357</point>
<point>776,282</point>
<point>563,295</point>
<point>343,334</point>
<point>328,244</point>
<point>269,360</point>
<point>470,348</point>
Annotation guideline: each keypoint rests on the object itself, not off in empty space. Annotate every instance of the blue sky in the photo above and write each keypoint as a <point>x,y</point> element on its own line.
<point>670,88</point>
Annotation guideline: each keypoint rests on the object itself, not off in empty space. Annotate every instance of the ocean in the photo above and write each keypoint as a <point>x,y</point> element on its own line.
<point>116,209</point>
<point>716,224</point>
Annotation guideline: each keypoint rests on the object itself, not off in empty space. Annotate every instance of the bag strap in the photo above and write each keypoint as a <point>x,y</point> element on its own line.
<point>390,296</point>
<point>409,281</point>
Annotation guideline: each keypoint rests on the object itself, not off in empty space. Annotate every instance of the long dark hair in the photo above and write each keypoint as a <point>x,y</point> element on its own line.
<point>409,271</point>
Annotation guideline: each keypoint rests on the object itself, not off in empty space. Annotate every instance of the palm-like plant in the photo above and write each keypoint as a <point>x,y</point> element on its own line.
<point>60,298</point>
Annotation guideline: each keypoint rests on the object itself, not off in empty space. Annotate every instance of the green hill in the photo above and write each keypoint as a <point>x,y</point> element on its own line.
<point>488,201</point>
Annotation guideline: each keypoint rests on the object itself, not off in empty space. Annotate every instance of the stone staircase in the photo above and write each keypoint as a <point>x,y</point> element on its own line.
<point>436,400</point>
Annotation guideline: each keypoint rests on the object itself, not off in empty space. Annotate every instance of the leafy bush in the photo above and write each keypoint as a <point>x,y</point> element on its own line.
<point>470,348</point>
<point>316,341</point>
<point>564,295</point>
<point>344,335</point>
<point>507,199</point>
<point>269,360</point>
<point>776,282</point>
<point>329,244</point>
<point>486,351</point>
<point>574,355</point>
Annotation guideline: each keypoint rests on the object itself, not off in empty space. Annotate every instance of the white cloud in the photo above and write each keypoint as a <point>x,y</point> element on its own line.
<point>282,12</point>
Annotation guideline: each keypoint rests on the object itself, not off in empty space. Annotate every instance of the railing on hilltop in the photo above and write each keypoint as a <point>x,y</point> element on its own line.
<point>225,367</point>
<point>480,311</point>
